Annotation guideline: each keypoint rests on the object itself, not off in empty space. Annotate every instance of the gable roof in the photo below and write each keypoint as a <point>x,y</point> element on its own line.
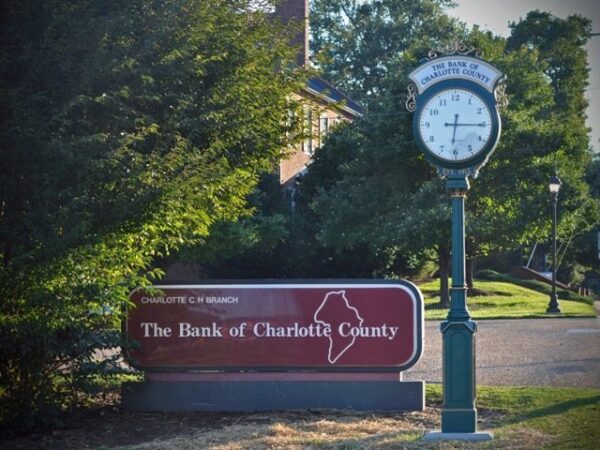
<point>330,94</point>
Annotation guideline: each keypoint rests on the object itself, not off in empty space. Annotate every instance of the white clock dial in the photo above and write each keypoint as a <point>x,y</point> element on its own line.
<point>455,124</point>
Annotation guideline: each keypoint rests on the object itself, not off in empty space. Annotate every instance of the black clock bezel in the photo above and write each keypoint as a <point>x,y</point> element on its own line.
<point>483,154</point>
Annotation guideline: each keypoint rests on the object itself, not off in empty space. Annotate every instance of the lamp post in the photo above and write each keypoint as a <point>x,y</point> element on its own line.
<point>554,187</point>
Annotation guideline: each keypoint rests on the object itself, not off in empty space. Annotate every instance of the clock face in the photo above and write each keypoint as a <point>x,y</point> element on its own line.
<point>455,124</point>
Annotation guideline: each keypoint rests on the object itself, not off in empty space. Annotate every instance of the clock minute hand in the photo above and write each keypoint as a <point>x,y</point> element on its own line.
<point>455,124</point>
<point>481,124</point>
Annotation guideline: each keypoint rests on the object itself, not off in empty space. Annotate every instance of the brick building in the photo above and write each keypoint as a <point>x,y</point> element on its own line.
<point>324,105</point>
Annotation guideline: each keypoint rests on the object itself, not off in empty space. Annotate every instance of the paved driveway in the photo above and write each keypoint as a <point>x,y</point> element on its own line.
<point>526,352</point>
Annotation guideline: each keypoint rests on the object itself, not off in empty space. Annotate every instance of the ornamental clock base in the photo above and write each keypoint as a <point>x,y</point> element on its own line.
<point>458,412</point>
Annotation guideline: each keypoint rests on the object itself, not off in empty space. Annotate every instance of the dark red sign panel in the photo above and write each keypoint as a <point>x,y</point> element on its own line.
<point>314,326</point>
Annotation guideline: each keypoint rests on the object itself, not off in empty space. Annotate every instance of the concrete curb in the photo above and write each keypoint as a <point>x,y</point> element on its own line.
<point>477,436</point>
<point>597,307</point>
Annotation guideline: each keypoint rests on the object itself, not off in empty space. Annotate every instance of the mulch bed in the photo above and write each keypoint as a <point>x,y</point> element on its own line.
<point>107,426</point>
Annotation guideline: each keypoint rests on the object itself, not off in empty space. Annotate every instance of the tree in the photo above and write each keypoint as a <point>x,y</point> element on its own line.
<point>583,258</point>
<point>280,240</point>
<point>544,132</point>
<point>593,177</point>
<point>358,41</point>
<point>250,247</point>
<point>370,196</point>
<point>507,206</point>
<point>363,47</point>
<point>128,128</point>
<point>368,49</point>
<point>383,197</point>
<point>561,45</point>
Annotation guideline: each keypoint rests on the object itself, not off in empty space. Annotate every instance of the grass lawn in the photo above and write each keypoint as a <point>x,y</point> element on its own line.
<point>501,300</point>
<point>536,417</point>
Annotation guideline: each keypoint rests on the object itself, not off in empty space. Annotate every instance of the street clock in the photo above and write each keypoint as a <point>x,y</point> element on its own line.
<point>456,121</point>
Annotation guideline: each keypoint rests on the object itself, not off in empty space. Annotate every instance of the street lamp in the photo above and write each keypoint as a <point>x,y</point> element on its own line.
<point>554,187</point>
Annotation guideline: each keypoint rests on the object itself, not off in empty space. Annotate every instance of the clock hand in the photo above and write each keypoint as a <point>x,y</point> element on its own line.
<point>481,124</point>
<point>446,124</point>
<point>454,131</point>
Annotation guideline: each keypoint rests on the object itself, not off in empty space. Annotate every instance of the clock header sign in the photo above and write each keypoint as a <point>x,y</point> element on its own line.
<point>455,67</point>
<point>456,121</point>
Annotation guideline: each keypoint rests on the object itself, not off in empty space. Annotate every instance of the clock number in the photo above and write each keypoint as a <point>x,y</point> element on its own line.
<point>427,124</point>
<point>443,102</point>
<point>455,97</point>
<point>470,148</point>
<point>469,102</point>
<point>432,138</point>
<point>479,111</point>
<point>433,112</point>
<point>480,138</point>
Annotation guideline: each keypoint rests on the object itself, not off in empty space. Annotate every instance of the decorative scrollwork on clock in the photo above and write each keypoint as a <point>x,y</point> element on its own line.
<point>501,95</point>
<point>455,48</point>
<point>411,101</point>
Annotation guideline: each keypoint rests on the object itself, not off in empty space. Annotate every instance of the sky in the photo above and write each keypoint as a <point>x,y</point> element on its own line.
<point>495,15</point>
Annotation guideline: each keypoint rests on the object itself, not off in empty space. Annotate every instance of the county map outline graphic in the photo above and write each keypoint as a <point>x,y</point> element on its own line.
<point>336,308</point>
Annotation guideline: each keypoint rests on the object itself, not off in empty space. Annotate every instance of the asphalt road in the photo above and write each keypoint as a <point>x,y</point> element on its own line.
<point>526,352</point>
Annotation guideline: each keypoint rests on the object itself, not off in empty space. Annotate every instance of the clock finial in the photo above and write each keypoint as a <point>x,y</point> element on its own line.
<point>455,48</point>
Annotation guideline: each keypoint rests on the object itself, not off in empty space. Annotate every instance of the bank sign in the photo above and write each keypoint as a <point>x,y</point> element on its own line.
<point>314,326</point>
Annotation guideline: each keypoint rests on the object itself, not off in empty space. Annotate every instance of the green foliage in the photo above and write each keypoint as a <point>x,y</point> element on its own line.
<point>128,129</point>
<point>384,195</point>
<point>376,196</point>
<point>251,246</point>
<point>280,239</point>
<point>370,196</point>
<point>593,177</point>
<point>560,43</point>
<point>363,44</point>
<point>583,252</point>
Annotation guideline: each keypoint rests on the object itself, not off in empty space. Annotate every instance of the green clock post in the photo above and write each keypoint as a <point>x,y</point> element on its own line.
<point>457,125</point>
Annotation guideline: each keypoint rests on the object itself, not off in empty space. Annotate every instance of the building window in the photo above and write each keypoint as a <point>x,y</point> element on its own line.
<point>291,122</point>
<point>290,192</point>
<point>307,145</point>
<point>323,126</point>
<point>334,121</point>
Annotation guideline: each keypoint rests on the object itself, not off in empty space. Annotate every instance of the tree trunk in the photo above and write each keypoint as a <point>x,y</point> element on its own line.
<point>444,263</point>
<point>470,263</point>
